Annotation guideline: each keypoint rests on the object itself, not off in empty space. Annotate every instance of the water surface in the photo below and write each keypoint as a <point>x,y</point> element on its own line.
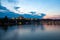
<point>30,32</point>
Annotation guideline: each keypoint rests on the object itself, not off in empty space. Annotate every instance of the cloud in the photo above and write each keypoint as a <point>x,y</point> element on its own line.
<point>9,4</point>
<point>12,1</point>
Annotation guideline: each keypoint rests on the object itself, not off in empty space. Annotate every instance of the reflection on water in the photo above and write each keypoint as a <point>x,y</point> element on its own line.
<point>30,32</point>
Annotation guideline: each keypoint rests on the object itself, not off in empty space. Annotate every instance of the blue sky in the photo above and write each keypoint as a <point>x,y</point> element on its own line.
<point>49,7</point>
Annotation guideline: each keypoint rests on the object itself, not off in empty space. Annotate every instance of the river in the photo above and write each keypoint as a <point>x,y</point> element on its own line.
<point>30,32</point>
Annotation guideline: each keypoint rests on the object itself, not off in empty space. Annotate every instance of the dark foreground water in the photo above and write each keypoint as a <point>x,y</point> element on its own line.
<point>30,32</point>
